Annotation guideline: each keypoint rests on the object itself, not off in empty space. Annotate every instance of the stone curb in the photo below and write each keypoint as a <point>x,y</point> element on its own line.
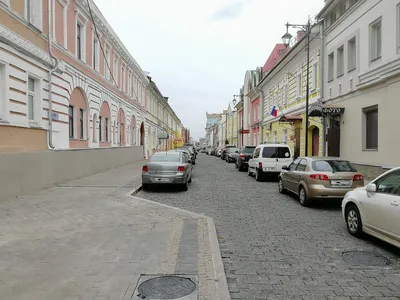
<point>219,271</point>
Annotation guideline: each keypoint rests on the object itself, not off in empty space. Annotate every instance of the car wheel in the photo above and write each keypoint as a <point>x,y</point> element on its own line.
<point>249,172</point>
<point>185,186</point>
<point>190,179</point>
<point>282,190</point>
<point>259,175</point>
<point>304,201</point>
<point>353,221</point>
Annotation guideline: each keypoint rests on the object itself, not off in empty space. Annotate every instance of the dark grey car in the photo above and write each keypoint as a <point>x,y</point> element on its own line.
<point>231,154</point>
<point>165,168</point>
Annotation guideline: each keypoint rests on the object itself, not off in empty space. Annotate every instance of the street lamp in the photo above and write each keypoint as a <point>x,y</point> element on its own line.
<point>234,103</point>
<point>286,38</point>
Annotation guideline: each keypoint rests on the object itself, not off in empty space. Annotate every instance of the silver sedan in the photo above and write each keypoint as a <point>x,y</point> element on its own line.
<point>167,168</point>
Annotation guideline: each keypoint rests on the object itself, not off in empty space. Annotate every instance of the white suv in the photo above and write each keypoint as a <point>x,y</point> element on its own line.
<point>269,159</point>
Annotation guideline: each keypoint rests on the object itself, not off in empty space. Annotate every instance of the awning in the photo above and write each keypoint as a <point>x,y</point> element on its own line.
<point>289,119</point>
<point>315,110</point>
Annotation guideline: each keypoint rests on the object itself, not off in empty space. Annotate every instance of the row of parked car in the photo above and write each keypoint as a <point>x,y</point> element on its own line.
<point>373,209</point>
<point>173,167</point>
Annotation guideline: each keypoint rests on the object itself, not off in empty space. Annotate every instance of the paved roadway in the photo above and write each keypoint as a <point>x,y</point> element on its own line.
<point>273,248</point>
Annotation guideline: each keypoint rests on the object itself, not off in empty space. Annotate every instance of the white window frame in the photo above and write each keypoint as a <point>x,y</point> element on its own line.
<point>375,51</point>
<point>314,76</point>
<point>95,50</point>
<point>129,83</point>
<point>80,19</point>
<point>284,136</point>
<point>4,96</point>
<point>116,68</point>
<point>352,57</point>
<point>38,5</point>
<point>340,61</point>
<point>107,61</point>
<point>74,124</point>
<point>37,107</point>
<point>85,124</point>
<point>123,77</point>
<point>275,136</point>
<point>331,66</point>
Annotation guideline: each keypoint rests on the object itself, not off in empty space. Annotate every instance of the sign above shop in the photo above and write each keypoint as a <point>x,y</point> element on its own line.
<point>332,110</point>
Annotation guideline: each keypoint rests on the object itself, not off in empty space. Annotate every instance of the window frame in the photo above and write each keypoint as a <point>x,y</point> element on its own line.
<point>352,56</point>
<point>299,83</point>
<point>365,112</point>
<point>331,68</point>
<point>81,124</point>
<point>37,101</point>
<point>4,79</point>
<point>373,27</point>
<point>78,41</point>
<point>379,181</point>
<point>340,63</point>
<point>315,73</point>
<point>71,121</point>
<point>31,95</point>
<point>96,53</point>
<point>301,163</point>
<point>27,13</point>
<point>107,129</point>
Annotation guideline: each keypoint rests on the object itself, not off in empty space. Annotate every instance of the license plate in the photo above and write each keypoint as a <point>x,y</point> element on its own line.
<point>270,169</point>
<point>340,182</point>
<point>162,179</point>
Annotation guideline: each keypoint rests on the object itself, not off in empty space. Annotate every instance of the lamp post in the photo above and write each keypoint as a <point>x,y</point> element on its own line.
<point>226,121</point>
<point>286,38</point>
<point>242,125</point>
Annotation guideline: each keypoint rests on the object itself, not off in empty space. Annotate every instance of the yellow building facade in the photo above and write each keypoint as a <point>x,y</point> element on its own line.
<point>284,88</point>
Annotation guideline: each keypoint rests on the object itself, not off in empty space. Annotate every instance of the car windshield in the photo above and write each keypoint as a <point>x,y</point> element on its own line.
<point>170,157</point>
<point>249,150</point>
<point>333,166</point>
<point>276,152</point>
<point>232,150</point>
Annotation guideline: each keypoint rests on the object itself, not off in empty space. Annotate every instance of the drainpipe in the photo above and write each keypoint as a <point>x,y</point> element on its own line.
<point>260,114</point>
<point>322,86</point>
<point>50,37</point>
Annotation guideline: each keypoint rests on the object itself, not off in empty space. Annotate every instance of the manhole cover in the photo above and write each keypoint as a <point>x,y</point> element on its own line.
<point>167,287</point>
<point>365,258</point>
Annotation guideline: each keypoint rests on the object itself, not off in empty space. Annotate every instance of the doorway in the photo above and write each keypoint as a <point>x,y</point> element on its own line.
<point>315,141</point>
<point>333,137</point>
<point>142,134</point>
<point>296,142</point>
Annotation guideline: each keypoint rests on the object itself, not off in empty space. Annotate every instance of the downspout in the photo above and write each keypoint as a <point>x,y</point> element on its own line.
<point>50,43</point>
<point>322,87</point>
<point>261,114</point>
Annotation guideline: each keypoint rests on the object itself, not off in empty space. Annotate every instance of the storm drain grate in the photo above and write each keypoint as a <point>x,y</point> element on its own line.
<point>165,287</point>
<point>365,258</point>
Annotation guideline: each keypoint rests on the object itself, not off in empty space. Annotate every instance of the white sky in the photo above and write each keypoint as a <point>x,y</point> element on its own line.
<point>197,52</point>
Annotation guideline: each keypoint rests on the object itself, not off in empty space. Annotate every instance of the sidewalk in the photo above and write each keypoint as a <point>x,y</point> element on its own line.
<point>91,240</point>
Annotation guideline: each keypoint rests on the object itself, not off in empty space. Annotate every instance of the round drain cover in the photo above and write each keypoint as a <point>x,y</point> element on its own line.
<point>167,287</point>
<point>365,258</point>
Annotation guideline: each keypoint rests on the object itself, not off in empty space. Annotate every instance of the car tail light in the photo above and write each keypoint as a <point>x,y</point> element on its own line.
<point>181,169</point>
<point>260,165</point>
<point>241,155</point>
<point>145,169</point>
<point>358,177</point>
<point>319,177</point>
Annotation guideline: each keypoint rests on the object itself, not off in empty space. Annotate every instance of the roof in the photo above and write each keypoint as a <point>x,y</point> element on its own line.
<point>276,54</point>
<point>328,3</point>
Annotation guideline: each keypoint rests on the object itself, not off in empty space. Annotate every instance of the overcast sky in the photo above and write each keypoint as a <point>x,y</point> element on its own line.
<point>198,51</point>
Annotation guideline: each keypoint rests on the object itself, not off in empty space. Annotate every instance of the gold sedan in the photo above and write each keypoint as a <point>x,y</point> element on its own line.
<point>319,178</point>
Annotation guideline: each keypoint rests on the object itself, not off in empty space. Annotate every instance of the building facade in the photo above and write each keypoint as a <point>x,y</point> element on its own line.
<point>362,79</point>
<point>67,81</point>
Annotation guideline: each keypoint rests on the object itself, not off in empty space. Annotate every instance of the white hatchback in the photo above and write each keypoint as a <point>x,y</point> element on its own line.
<point>375,208</point>
<point>268,159</point>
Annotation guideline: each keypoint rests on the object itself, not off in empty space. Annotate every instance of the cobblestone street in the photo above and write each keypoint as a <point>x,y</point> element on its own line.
<point>273,248</point>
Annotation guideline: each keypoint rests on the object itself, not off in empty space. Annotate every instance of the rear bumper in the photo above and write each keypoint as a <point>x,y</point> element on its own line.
<point>166,179</point>
<point>318,191</point>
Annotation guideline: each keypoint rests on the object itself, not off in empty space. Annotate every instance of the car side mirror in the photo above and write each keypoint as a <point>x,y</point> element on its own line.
<point>371,188</point>
<point>236,151</point>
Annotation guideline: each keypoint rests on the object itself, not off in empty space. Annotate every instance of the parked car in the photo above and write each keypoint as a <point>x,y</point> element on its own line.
<point>375,208</point>
<point>319,178</point>
<point>218,154</point>
<point>223,152</point>
<point>167,168</point>
<point>192,147</point>
<point>188,153</point>
<point>268,159</point>
<point>245,154</point>
<point>193,155</point>
<point>231,154</point>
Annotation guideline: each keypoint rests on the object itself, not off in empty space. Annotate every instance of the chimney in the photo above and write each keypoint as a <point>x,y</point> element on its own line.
<point>300,35</point>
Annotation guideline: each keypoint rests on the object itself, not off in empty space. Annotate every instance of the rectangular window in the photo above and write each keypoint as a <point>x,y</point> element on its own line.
<point>101,129</point>
<point>129,84</point>
<point>376,39</point>
<point>275,137</point>
<point>331,66</point>
<point>107,65</point>
<point>31,98</point>
<point>115,70</point>
<point>107,121</point>
<point>299,84</point>
<point>340,61</point>
<point>123,79</point>
<point>79,41</point>
<point>71,121</point>
<point>81,124</point>
<point>351,54</point>
<point>3,90</point>
<point>371,127</point>
<point>33,13</point>
<point>96,63</point>
<point>284,136</point>
<point>315,76</point>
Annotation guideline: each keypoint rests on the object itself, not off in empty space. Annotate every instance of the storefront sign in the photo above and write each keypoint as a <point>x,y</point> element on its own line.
<point>332,110</point>
<point>244,131</point>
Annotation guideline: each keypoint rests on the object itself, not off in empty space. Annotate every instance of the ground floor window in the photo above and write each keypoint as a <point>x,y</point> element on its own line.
<point>107,121</point>
<point>81,123</point>
<point>370,127</point>
<point>71,122</point>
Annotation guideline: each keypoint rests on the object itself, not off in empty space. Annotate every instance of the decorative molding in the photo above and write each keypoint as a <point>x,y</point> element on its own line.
<point>64,3</point>
<point>80,14</point>
<point>383,72</point>
<point>25,46</point>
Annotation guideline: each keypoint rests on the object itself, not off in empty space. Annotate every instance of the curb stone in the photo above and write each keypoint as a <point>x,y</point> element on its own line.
<point>219,271</point>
